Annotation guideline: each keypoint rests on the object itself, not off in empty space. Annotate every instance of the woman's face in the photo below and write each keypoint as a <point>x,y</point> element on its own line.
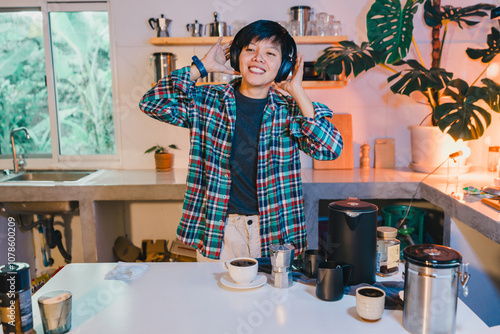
<point>260,62</point>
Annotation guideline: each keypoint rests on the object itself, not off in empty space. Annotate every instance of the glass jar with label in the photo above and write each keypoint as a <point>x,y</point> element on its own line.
<point>493,156</point>
<point>387,251</point>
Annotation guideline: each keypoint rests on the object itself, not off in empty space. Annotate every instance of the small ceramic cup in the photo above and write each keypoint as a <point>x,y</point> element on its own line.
<point>242,270</point>
<point>370,302</point>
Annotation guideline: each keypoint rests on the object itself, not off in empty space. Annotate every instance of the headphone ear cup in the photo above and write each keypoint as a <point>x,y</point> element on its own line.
<point>234,53</point>
<point>286,66</point>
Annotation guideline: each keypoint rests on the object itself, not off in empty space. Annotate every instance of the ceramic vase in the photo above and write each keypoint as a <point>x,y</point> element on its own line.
<point>430,147</point>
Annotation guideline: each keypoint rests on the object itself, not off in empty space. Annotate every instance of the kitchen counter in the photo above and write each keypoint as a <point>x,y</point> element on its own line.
<point>146,185</point>
<point>189,298</point>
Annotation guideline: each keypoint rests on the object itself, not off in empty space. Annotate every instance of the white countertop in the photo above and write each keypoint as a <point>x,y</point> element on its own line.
<point>149,185</point>
<point>188,298</point>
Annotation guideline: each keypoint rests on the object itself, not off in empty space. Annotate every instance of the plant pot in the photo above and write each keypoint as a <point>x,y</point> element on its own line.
<point>430,147</point>
<point>163,161</point>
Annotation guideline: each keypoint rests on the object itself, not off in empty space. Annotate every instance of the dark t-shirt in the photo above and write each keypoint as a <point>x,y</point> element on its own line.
<point>243,159</point>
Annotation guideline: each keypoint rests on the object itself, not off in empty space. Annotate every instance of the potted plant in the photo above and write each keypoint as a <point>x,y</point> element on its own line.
<point>461,110</point>
<point>163,159</point>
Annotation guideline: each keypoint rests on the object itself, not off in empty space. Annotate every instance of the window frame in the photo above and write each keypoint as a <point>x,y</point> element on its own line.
<point>58,161</point>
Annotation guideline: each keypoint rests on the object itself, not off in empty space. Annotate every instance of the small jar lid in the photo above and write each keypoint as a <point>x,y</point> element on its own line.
<point>353,204</point>
<point>14,277</point>
<point>434,256</point>
<point>387,232</point>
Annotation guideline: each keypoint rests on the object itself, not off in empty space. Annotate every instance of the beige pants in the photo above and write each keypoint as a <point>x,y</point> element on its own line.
<point>241,238</point>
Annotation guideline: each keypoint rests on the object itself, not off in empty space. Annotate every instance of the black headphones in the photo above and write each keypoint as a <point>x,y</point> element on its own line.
<point>287,63</point>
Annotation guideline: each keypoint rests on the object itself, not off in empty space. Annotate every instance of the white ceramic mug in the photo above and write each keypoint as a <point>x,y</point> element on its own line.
<point>370,302</point>
<point>242,270</point>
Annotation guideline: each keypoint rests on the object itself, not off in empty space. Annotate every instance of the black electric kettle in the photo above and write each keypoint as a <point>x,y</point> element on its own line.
<point>161,25</point>
<point>352,238</point>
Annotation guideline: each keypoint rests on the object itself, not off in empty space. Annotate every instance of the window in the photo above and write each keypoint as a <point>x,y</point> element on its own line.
<point>23,93</point>
<point>55,80</point>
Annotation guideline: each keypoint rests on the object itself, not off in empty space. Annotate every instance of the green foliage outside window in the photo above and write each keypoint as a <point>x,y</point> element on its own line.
<point>82,72</point>
<point>80,44</point>
<point>23,94</point>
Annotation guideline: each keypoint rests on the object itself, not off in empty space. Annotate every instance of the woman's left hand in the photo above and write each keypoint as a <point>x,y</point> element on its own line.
<point>295,89</point>
<point>294,85</point>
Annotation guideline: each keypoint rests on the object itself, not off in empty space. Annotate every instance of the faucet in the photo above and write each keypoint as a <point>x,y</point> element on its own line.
<point>16,162</point>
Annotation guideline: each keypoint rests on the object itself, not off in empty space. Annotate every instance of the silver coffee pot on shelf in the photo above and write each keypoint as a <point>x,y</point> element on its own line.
<point>195,29</point>
<point>281,259</point>
<point>217,28</point>
<point>161,25</point>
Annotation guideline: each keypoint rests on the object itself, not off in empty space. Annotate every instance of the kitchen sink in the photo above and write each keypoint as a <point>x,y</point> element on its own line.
<point>49,175</point>
<point>53,207</point>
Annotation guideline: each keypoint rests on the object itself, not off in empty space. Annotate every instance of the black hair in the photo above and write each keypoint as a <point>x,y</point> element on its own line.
<point>266,30</point>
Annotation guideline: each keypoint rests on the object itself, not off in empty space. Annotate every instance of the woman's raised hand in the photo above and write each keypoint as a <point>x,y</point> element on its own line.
<point>216,58</point>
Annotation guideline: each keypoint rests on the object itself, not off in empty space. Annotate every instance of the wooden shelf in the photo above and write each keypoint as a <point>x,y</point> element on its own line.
<point>180,41</point>
<point>305,84</point>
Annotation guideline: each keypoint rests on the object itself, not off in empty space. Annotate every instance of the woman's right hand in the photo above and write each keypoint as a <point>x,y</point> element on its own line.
<point>216,58</point>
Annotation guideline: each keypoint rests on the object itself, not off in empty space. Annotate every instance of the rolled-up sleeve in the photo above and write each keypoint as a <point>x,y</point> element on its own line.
<point>170,99</point>
<point>317,137</point>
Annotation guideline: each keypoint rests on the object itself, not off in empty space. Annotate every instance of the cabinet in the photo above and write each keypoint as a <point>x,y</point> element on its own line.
<point>301,40</point>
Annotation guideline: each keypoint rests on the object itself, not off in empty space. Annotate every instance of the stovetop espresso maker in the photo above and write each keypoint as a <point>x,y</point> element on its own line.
<point>161,25</point>
<point>281,259</point>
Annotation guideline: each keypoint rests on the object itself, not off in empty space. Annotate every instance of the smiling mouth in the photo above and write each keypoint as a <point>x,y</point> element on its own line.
<point>256,70</point>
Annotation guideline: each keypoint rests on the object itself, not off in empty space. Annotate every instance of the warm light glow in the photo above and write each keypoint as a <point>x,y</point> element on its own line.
<point>493,71</point>
<point>464,153</point>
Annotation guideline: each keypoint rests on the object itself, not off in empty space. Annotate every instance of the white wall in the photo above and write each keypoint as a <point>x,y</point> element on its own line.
<point>377,113</point>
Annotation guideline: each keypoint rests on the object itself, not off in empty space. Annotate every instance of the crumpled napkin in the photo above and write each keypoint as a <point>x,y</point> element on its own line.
<point>124,271</point>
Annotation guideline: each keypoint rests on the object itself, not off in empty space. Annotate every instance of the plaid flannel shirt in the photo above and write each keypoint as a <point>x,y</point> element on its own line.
<point>210,113</point>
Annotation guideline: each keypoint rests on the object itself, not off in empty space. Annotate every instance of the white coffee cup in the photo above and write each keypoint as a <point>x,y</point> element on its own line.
<point>242,270</point>
<point>370,302</point>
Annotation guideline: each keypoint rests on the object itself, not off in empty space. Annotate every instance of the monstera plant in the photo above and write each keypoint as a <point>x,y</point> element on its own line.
<point>460,109</point>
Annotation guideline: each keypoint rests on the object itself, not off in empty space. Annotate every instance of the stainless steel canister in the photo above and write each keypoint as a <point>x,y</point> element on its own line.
<point>301,14</point>
<point>164,64</point>
<point>431,283</point>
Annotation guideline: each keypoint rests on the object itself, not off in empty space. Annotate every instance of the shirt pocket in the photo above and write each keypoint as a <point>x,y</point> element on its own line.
<point>283,151</point>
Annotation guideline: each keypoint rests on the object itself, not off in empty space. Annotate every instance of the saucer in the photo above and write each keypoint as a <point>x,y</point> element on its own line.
<point>259,281</point>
